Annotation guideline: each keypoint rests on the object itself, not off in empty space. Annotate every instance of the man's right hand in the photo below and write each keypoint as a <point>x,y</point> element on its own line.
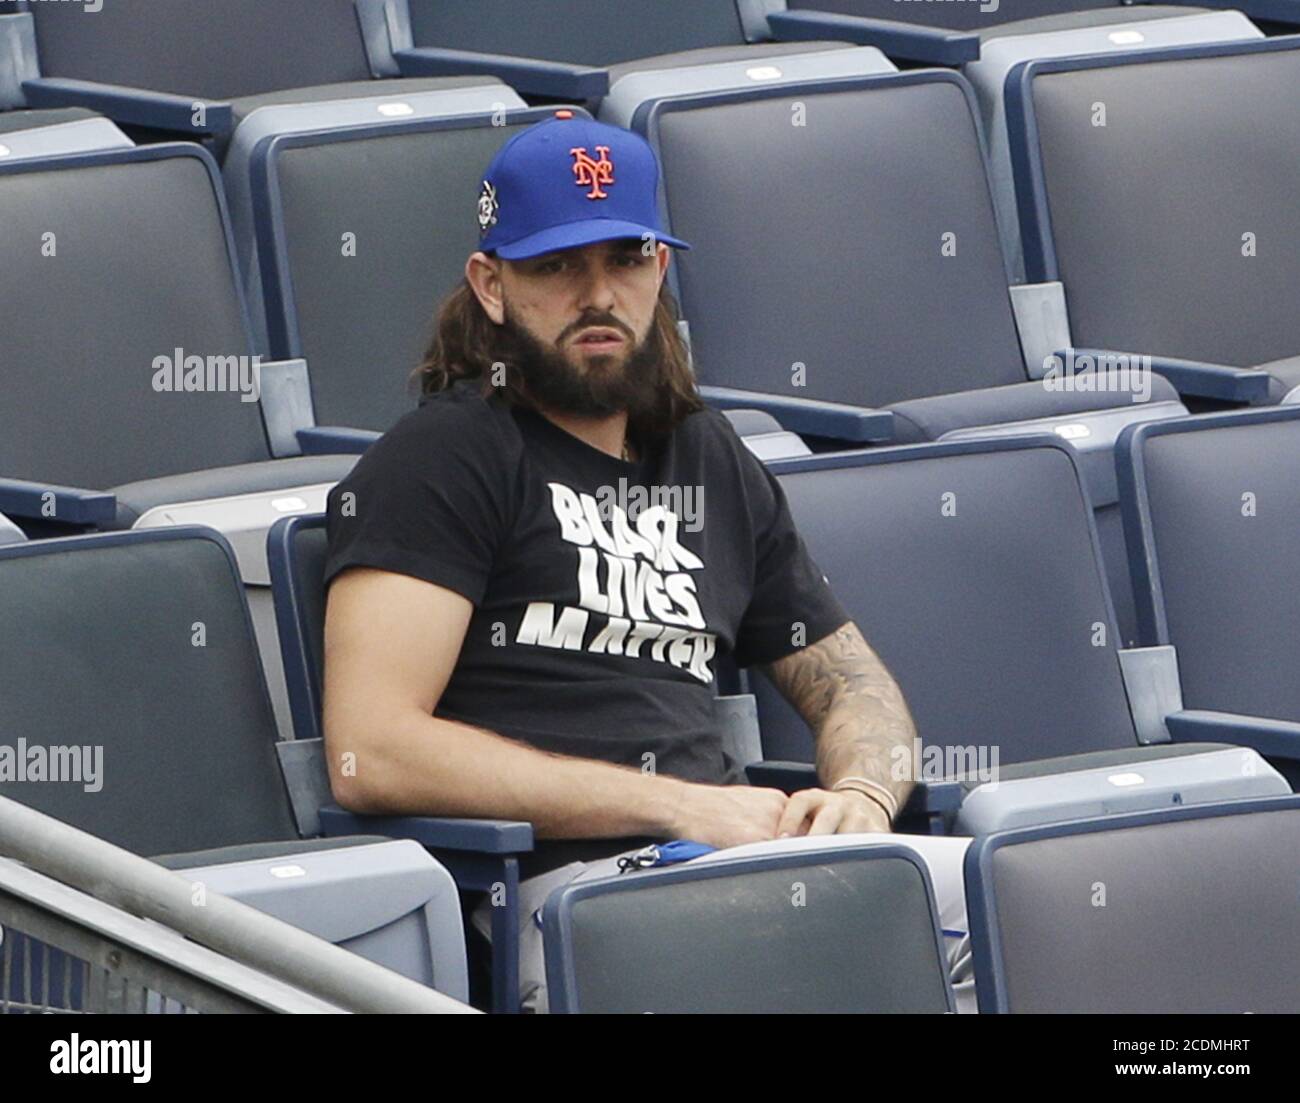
<point>728,815</point>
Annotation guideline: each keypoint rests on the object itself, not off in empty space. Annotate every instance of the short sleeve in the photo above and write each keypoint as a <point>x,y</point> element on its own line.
<point>789,588</point>
<point>429,500</point>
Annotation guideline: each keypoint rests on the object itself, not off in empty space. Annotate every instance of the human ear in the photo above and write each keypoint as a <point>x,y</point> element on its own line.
<point>483,274</point>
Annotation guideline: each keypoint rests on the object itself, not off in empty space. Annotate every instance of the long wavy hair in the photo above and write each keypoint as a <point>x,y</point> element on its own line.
<point>467,343</point>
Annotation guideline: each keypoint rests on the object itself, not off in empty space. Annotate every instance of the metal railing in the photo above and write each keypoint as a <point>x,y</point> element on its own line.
<point>88,927</point>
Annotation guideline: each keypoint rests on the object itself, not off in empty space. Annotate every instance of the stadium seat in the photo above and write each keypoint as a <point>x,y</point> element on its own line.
<point>131,380</point>
<point>1212,516</point>
<point>873,275</point>
<point>580,57</point>
<point>722,937</point>
<point>972,569</point>
<point>1005,40</point>
<point>120,275</point>
<point>1155,189</point>
<point>1126,29</point>
<point>355,311</point>
<point>404,195</point>
<point>193,67</point>
<point>131,665</point>
<point>866,193</point>
<point>326,197</point>
<point>1186,910</point>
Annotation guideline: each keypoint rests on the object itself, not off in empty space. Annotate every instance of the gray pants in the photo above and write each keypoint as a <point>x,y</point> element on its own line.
<point>943,856</point>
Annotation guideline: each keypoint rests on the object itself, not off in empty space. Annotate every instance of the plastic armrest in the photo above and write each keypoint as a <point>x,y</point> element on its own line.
<point>526,75</point>
<point>811,416</point>
<point>330,440</point>
<point>933,45</point>
<point>136,106</point>
<point>1271,738</point>
<point>790,777</point>
<point>68,504</point>
<point>444,833</point>
<point>1190,377</point>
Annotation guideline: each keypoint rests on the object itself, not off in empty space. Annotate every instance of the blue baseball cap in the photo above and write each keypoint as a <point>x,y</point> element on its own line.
<point>566,182</point>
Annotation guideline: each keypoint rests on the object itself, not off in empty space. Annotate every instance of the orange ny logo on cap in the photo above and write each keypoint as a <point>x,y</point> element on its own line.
<point>589,173</point>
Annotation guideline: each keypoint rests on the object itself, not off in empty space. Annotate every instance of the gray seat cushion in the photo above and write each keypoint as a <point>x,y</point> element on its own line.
<point>11,121</point>
<point>256,852</point>
<point>1102,17</point>
<point>1093,760</point>
<point>134,499</point>
<point>364,89</point>
<point>713,55</point>
<point>924,419</point>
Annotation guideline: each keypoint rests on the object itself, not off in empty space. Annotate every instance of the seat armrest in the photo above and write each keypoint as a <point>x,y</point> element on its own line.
<point>1271,738</point>
<point>809,416</point>
<point>1189,377</point>
<point>331,440</point>
<point>555,79</point>
<point>789,777</point>
<point>69,505</point>
<point>136,106</point>
<point>932,45</point>
<point>927,798</point>
<point>500,837</point>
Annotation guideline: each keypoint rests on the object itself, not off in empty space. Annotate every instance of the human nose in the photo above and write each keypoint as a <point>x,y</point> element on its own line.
<point>596,294</point>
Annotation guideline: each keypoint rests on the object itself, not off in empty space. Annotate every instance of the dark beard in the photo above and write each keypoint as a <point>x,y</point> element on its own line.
<point>551,381</point>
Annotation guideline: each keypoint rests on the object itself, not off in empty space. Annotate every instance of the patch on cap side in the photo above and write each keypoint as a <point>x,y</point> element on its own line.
<point>488,206</point>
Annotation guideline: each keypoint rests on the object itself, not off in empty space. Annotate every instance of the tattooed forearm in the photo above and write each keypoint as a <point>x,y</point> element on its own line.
<point>853,706</point>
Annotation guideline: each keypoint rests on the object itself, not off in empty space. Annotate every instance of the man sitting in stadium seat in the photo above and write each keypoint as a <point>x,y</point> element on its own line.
<point>534,574</point>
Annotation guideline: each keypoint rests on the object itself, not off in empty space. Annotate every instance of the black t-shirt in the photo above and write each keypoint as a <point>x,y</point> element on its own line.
<point>605,592</point>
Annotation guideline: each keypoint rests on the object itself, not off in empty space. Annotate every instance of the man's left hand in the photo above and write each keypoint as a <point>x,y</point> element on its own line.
<point>822,812</point>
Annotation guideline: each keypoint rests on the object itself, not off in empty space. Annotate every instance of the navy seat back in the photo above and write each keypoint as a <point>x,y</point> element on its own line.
<point>1189,255</point>
<point>195,47</point>
<point>112,261</point>
<point>1212,516</point>
<point>585,32</point>
<point>722,937</point>
<point>973,571</point>
<point>873,271</point>
<point>1182,910</point>
<point>363,316</point>
<point>139,645</point>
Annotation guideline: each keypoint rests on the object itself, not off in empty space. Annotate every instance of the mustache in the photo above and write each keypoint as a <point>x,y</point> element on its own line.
<point>587,321</point>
